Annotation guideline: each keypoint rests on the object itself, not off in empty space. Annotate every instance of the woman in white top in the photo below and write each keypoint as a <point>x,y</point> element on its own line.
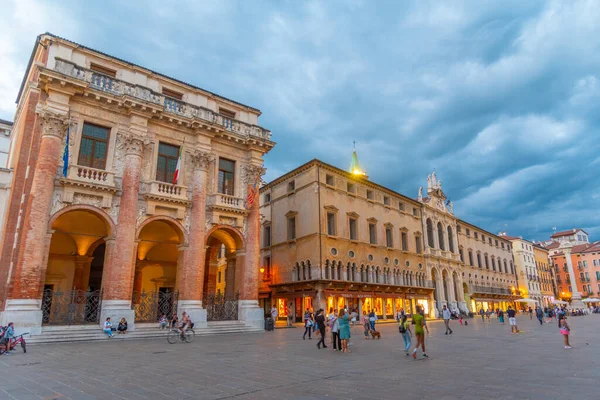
<point>108,327</point>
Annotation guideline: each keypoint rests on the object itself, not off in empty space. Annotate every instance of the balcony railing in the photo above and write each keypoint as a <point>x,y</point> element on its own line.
<point>90,175</point>
<point>121,88</point>
<point>168,190</point>
<point>225,200</point>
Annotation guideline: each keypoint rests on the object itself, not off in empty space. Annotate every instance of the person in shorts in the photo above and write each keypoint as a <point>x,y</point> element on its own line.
<point>512,320</point>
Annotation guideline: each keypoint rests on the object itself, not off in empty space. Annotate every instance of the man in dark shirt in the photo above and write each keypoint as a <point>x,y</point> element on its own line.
<point>512,319</point>
<point>320,320</point>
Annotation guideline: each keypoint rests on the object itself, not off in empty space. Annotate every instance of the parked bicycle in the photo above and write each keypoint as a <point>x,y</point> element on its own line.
<point>177,334</point>
<point>14,342</point>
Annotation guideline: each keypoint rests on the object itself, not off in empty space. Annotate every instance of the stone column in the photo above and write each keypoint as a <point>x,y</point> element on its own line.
<point>23,307</point>
<point>249,310</point>
<point>81,265</point>
<point>451,295</point>
<point>230,276</point>
<point>575,295</point>
<point>192,272</point>
<point>120,271</point>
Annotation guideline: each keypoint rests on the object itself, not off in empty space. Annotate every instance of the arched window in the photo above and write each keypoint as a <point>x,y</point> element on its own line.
<point>505,267</point>
<point>487,263</point>
<point>339,271</point>
<point>430,233</point>
<point>493,263</point>
<point>479,260</point>
<point>303,271</point>
<point>327,274</point>
<point>297,271</point>
<point>450,241</point>
<point>441,236</point>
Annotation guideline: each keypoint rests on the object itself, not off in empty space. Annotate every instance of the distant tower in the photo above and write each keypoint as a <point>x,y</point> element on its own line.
<point>355,168</point>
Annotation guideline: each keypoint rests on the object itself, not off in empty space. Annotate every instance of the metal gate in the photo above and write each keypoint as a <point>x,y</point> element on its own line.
<point>219,308</point>
<point>150,306</point>
<point>71,308</point>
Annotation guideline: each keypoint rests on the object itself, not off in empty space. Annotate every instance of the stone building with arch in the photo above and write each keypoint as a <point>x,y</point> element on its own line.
<point>333,239</point>
<point>134,195</point>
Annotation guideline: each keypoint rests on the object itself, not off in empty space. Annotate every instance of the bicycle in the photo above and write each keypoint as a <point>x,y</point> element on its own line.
<point>14,342</point>
<point>176,334</point>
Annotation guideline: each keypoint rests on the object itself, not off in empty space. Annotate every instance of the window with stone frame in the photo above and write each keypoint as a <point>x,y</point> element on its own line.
<point>329,180</point>
<point>418,244</point>
<point>291,227</point>
<point>267,236</point>
<point>471,258</point>
<point>331,228</point>
<point>479,260</point>
<point>353,228</point>
<point>372,233</point>
<point>389,239</point>
<point>167,162</point>
<point>404,240</point>
<point>226,176</point>
<point>94,146</point>
<point>462,256</point>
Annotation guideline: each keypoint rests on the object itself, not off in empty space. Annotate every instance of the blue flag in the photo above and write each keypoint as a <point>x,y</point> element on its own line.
<point>66,152</point>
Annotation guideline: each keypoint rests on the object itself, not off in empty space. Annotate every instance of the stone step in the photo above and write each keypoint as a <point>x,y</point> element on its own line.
<point>93,333</point>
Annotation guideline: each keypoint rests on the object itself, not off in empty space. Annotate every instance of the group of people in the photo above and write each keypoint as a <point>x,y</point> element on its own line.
<point>337,322</point>
<point>120,329</point>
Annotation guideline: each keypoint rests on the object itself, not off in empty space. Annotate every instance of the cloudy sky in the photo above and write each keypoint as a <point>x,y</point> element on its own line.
<point>501,98</point>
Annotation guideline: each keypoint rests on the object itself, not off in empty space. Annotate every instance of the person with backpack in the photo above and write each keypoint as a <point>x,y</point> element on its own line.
<point>406,333</point>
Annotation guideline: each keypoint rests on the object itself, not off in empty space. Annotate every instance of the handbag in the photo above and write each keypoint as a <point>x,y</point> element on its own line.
<point>113,329</point>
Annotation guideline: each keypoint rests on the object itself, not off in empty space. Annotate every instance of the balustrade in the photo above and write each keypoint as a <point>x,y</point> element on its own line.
<point>165,189</point>
<point>220,199</point>
<point>118,87</point>
<point>90,175</point>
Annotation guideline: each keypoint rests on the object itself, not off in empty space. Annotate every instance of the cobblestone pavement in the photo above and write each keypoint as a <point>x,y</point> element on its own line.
<point>479,361</point>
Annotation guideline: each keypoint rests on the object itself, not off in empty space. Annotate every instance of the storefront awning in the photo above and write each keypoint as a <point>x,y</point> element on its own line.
<point>417,296</point>
<point>362,295</point>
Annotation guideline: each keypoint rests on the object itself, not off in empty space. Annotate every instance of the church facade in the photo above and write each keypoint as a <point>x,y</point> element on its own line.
<point>134,195</point>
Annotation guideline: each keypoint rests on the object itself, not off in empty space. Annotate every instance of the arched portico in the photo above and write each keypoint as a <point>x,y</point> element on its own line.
<point>73,280</point>
<point>224,272</point>
<point>161,241</point>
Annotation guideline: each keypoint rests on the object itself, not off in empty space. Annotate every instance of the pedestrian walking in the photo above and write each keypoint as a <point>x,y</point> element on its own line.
<point>334,325</point>
<point>274,314</point>
<point>501,316</point>
<point>512,320</point>
<point>446,317</point>
<point>372,319</point>
<point>417,321</point>
<point>530,313</point>
<point>308,323</point>
<point>344,322</point>
<point>565,330</point>
<point>539,314</point>
<point>482,313</point>
<point>290,317</point>
<point>406,334</point>
<point>320,321</point>
<point>366,324</point>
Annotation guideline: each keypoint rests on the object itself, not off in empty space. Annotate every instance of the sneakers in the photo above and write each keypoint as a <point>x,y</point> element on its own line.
<point>407,353</point>
<point>566,347</point>
<point>415,354</point>
<point>424,356</point>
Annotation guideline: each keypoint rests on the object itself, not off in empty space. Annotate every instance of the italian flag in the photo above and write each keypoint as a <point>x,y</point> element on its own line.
<point>178,168</point>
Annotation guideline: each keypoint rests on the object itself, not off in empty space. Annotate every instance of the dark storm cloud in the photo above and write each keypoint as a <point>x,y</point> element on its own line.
<point>501,99</point>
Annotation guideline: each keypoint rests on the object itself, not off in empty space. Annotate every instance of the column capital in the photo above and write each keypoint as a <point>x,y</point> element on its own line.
<point>201,159</point>
<point>133,144</point>
<point>251,173</point>
<point>53,124</point>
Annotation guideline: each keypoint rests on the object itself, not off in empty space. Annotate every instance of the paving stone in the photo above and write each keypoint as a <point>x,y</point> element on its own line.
<point>479,361</point>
